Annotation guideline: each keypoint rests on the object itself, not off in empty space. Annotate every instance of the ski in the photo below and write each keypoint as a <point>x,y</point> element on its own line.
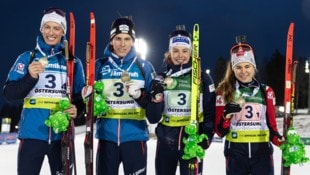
<point>67,141</point>
<point>195,83</point>
<point>193,139</point>
<point>195,94</point>
<point>288,90</point>
<point>90,79</point>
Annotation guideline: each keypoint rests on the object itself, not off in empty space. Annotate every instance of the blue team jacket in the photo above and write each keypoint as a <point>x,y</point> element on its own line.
<point>41,95</point>
<point>117,127</point>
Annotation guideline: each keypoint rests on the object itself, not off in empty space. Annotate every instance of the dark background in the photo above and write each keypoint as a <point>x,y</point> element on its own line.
<point>264,22</point>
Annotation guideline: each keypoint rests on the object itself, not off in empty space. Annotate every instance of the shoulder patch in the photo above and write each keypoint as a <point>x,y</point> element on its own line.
<point>212,88</point>
<point>270,95</point>
<point>219,100</point>
<point>20,67</point>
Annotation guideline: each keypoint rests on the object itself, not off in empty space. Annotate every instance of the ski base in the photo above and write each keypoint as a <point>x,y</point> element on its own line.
<point>68,151</point>
<point>193,167</point>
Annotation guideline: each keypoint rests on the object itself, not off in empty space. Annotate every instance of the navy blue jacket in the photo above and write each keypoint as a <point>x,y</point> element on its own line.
<point>173,135</point>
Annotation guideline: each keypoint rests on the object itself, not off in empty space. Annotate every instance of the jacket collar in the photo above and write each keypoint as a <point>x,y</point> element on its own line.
<point>48,50</point>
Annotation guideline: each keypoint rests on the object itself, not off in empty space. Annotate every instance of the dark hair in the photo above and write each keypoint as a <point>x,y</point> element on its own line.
<point>127,20</point>
<point>180,30</point>
<point>56,10</point>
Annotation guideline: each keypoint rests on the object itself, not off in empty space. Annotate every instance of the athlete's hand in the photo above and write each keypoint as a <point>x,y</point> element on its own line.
<point>157,91</point>
<point>133,89</point>
<point>35,68</point>
<point>72,111</point>
<point>231,108</point>
<point>205,144</point>
<point>278,140</point>
<point>281,139</point>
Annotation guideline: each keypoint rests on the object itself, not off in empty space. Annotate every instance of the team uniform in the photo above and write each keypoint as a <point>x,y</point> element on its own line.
<point>174,112</point>
<point>41,96</point>
<point>122,131</point>
<point>250,132</point>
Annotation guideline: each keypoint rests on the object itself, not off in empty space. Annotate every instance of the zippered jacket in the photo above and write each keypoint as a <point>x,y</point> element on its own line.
<point>250,131</point>
<point>41,96</point>
<point>126,119</point>
<point>174,112</point>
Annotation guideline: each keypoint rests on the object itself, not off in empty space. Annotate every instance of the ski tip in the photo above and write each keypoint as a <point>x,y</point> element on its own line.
<point>292,24</point>
<point>196,32</point>
<point>92,17</point>
<point>72,20</point>
<point>196,27</point>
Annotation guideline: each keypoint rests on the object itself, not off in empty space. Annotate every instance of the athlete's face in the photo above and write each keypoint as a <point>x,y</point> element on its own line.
<point>52,33</point>
<point>180,55</point>
<point>244,72</point>
<point>122,44</point>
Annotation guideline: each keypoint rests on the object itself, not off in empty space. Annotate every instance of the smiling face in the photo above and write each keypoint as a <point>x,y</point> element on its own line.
<point>244,72</point>
<point>180,55</point>
<point>52,33</point>
<point>122,44</point>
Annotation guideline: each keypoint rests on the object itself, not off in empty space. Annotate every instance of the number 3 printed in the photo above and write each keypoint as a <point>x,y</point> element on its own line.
<point>250,112</point>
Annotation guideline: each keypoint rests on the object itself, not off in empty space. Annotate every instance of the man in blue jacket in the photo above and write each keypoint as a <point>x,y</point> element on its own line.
<point>122,131</point>
<point>39,77</point>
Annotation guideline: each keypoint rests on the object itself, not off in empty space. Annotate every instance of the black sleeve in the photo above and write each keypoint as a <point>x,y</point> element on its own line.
<point>144,99</point>
<point>16,90</point>
<point>154,111</point>
<point>78,101</point>
<point>208,103</point>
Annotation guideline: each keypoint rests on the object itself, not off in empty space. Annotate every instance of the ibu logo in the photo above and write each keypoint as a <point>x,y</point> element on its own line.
<point>234,135</point>
<point>32,101</point>
<point>167,119</point>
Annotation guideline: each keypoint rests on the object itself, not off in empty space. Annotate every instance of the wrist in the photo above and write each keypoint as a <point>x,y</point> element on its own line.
<point>158,98</point>
<point>34,75</point>
<point>135,94</point>
<point>227,117</point>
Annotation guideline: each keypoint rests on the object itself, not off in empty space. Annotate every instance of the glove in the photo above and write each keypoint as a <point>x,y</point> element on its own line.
<point>206,128</point>
<point>86,91</point>
<point>133,89</point>
<point>231,108</point>
<point>157,91</point>
<point>281,139</point>
<point>205,144</point>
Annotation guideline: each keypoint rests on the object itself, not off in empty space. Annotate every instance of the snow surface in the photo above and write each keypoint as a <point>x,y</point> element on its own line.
<point>214,162</point>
